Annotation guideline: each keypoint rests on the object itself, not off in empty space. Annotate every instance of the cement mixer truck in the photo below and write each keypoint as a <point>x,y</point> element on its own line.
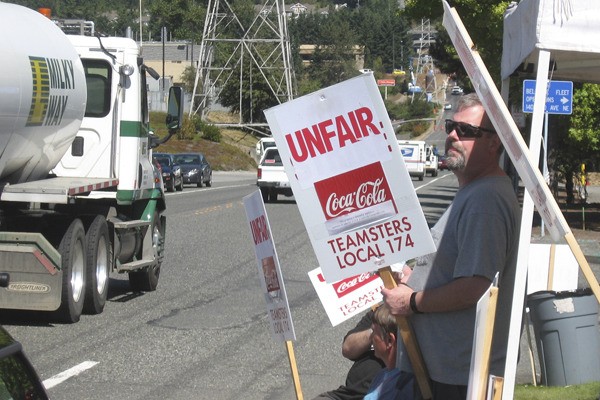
<point>80,197</point>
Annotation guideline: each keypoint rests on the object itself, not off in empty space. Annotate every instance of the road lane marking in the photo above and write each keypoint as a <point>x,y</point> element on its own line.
<point>71,372</point>
<point>431,181</point>
<point>218,207</point>
<point>212,188</point>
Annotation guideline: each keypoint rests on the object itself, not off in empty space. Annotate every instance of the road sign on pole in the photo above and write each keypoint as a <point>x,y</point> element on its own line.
<point>386,82</point>
<point>559,99</point>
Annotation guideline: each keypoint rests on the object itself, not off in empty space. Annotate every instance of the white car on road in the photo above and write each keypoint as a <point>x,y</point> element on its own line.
<point>456,90</point>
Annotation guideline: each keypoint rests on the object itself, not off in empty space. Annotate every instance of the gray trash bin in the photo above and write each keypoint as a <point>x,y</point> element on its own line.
<point>567,336</point>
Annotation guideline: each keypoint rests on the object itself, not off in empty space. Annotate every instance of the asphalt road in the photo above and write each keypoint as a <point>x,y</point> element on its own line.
<point>203,333</point>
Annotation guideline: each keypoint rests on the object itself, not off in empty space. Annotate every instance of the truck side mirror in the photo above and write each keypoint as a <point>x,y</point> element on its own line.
<point>174,118</point>
<point>175,108</point>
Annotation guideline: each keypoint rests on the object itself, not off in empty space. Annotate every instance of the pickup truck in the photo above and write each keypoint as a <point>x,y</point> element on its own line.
<point>262,145</point>
<point>271,177</point>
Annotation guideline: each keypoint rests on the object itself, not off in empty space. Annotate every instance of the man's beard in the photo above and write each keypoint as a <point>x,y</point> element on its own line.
<point>455,160</point>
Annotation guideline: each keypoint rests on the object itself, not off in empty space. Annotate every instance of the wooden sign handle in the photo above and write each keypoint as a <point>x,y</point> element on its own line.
<point>486,351</point>
<point>583,264</point>
<point>295,376</point>
<point>408,338</point>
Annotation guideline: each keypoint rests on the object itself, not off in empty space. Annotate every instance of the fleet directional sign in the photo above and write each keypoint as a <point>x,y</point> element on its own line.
<point>559,99</point>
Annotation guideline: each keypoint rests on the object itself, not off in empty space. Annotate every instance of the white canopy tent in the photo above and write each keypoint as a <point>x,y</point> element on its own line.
<point>568,29</point>
<point>548,39</point>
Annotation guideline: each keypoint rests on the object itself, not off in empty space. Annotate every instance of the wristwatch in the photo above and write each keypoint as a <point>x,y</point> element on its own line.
<point>413,303</point>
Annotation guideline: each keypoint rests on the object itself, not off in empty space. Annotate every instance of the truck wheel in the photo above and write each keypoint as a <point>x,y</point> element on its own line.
<point>265,194</point>
<point>273,196</point>
<point>72,251</point>
<point>421,177</point>
<point>98,266</point>
<point>146,279</point>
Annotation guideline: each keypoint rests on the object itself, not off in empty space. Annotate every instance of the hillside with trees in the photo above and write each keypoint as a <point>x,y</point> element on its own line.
<point>380,27</point>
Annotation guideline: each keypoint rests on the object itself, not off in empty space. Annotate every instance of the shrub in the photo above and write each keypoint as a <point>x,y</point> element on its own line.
<point>188,129</point>
<point>192,126</point>
<point>413,129</point>
<point>211,132</point>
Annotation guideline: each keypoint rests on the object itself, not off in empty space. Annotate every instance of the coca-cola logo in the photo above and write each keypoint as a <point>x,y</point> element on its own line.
<point>368,194</point>
<point>346,286</point>
<point>353,190</point>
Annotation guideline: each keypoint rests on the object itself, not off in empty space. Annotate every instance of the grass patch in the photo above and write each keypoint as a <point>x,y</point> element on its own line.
<point>587,391</point>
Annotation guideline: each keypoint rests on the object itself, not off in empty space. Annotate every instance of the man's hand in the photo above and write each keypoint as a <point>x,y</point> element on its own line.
<point>398,299</point>
<point>401,277</point>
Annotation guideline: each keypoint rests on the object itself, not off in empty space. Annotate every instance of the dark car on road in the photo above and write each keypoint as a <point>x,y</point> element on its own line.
<point>171,171</point>
<point>18,378</point>
<point>194,168</point>
<point>442,163</point>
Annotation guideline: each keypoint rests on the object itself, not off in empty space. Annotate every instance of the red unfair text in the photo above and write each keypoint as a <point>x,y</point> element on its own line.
<point>258,226</point>
<point>326,135</point>
<point>373,243</point>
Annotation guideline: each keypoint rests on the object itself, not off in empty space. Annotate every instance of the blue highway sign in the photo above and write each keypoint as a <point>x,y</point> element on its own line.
<point>559,99</point>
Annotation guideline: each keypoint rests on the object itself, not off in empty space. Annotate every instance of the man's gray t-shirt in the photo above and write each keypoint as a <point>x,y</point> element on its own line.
<point>477,236</point>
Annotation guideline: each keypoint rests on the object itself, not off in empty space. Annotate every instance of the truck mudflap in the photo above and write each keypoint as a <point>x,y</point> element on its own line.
<point>30,272</point>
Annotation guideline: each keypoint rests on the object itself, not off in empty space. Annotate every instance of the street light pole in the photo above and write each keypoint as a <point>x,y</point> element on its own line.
<point>140,23</point>
<point>402,55</point>
<point>393,51</point>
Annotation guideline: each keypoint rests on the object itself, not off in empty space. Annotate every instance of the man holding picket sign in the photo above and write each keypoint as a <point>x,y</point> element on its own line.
<point>478,237</point>
<point>354,193</point>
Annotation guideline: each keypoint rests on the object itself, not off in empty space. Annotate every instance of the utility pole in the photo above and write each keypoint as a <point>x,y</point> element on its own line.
<point>140,23</point>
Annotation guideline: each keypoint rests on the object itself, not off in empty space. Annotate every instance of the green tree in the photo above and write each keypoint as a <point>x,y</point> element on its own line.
<point>333,60</point>
<point>382,29</point>
<point>110,17</point>
<point>483,19</point>
<point>189,78</point>
<point>184,19</point>
<point>126,14</point>
<point>334,57</point>
<point>575,140</point>
<point>585,121</point>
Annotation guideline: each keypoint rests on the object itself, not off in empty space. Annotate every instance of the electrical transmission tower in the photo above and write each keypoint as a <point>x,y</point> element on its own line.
<point>243,53</point>
<point>425,60</point>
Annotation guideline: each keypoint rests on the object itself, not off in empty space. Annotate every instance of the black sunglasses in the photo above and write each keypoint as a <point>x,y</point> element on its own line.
<point>464,130</point>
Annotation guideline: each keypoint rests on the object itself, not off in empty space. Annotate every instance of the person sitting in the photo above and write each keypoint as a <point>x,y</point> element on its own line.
<point>389,383</point>
<point>357,347</point>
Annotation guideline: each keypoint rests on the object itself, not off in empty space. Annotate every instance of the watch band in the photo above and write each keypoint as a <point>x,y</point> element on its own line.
<point>413,303</point>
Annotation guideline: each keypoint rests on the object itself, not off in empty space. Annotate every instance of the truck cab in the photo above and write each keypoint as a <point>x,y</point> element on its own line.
<point>413,153</point>
<point>80,197</point>
<point>262,145</point>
